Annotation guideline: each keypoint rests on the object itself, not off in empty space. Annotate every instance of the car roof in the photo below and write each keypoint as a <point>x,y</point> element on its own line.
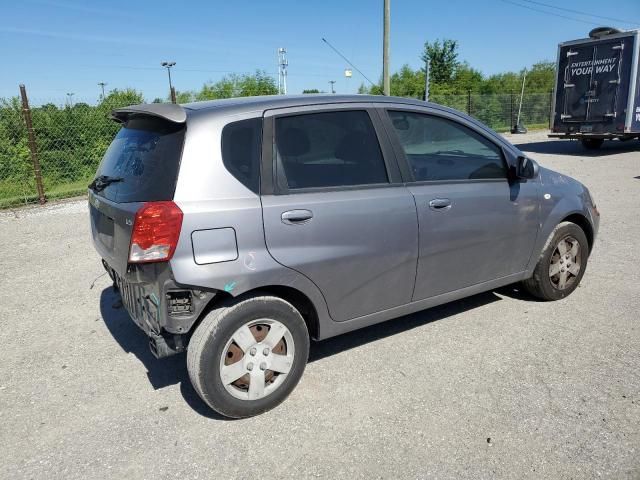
<point>241,105</point>
<point>266,102</point>
<point>231,106</point>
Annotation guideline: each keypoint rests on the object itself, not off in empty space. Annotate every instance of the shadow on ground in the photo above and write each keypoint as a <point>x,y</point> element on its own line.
<point>173,370</point>
<point>574,147</point>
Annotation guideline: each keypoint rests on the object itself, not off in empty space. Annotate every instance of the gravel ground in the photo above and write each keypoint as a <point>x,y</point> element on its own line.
<point>494,386</point>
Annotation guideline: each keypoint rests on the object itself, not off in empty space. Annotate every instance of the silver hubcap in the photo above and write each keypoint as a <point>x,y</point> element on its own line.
<point>256,359</point>
<point>565,263</point>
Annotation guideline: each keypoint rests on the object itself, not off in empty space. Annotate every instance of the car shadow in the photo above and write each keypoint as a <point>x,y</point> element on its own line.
<point>160,372</point>
<point>357,338</point>
<point>173,370</point>
<point>575,148</point>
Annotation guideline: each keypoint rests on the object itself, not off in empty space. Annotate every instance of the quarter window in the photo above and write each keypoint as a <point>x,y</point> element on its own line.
<point>328,149</point>
<point>241,151</point>
<point>441,149</point>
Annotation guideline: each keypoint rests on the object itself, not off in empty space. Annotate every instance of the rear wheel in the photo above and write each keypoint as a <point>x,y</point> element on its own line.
<point>592,143</point>
<point>245,358</point>
<point>561,264</point>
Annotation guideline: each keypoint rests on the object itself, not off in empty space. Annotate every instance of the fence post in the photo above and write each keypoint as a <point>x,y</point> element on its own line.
<point>511,119</point>
<point>469,102</point>
<point>26,111</point>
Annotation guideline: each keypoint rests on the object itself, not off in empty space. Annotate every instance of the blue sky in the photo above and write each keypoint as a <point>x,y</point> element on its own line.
<point>60,46</point>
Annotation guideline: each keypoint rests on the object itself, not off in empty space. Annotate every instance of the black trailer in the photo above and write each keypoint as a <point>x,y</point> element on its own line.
<point>597,91</point>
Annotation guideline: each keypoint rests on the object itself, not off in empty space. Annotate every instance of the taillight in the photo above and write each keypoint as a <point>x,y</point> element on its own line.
<point>155,232</point>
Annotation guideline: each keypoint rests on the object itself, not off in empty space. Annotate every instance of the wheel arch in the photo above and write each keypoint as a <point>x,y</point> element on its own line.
<point>584,223</point>
<point>295,297</point>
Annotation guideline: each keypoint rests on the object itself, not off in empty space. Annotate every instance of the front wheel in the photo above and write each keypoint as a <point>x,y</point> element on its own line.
<point>246,358</point>
<point>561,265</point>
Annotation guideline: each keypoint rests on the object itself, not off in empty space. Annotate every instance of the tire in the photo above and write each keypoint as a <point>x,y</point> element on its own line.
<point>545,284</point>
<point>592,143</point>
<point>237,335</point>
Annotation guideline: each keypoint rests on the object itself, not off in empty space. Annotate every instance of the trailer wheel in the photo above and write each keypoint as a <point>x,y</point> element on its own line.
<point>592,143</point>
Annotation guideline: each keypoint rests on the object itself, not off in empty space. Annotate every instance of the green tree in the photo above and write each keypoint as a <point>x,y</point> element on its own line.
<point>311,90</point>
<point>443,60</point>
<point>541,77</point>
<point>121,98</point>
<point>234,85</point>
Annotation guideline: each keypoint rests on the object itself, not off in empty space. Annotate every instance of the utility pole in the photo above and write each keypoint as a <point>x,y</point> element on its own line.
<point>332,82</point>
<point>102,85</point>
<point>168,66</point>
<point>386,85</point>
<point>426,79</point>
<point>70,98</point>
<point>282,71</point>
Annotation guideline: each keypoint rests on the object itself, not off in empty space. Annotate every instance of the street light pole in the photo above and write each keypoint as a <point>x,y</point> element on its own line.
<point>168,66</point>
<point>102,85</point>
<point>332,82</point>
<point>70,97</point>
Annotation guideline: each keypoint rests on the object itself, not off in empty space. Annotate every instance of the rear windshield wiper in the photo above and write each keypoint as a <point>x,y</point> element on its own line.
<point>103,181</point>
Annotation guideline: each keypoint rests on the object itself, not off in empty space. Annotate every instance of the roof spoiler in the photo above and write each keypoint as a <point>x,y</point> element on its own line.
<point>167,111</point>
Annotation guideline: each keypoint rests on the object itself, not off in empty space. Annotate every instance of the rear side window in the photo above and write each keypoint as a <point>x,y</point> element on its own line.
<point>441,149</point>
<point>145,158</point>
<point>241,143</point>
<point>328,149</point>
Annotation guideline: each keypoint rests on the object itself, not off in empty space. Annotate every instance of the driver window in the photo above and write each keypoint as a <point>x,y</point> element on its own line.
<point>441,149</point>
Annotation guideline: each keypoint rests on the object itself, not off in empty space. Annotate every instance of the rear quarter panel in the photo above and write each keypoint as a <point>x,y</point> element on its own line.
<point>211,198</point>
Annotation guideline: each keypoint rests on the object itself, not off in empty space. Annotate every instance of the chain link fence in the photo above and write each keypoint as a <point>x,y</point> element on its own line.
<point>500,111</point>
<point>70,139</point>
<point>68,143</point>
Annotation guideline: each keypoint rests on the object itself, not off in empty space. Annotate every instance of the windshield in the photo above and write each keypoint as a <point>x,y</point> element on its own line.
<point>142,162</point>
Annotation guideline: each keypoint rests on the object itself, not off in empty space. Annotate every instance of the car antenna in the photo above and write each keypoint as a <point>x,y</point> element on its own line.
<point>354,67</point>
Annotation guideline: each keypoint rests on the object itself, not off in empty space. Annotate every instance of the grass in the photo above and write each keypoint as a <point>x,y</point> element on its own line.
<point>55,192</point>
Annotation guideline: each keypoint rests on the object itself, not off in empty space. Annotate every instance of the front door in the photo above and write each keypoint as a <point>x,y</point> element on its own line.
<point>338,213</point>
<point>475,226</point>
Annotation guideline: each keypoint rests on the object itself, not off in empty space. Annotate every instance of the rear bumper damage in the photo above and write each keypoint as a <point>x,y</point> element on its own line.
<point>162,309</point>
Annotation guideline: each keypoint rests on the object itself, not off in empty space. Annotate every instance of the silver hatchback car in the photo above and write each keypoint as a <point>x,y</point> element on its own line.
<point>240,229</point>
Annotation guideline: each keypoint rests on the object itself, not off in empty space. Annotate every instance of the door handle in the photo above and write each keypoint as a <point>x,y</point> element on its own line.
<point>296,217</point>
<point>440,204</point>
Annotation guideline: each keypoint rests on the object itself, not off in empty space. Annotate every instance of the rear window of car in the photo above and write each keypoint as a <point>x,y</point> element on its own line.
<point>329,149</point>
<point>241,143</point>
<point>145,157</point>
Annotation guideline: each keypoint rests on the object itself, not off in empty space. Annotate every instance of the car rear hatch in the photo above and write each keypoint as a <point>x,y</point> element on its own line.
<point>141,165</point>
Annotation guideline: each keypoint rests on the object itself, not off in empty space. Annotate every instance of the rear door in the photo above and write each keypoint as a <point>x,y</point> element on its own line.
<point>336,210</point>
<point>595,78</point>
<point>140,165</point>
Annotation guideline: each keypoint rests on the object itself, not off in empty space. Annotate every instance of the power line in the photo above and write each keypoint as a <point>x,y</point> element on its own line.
<point>347,60</point>
<point>550,13</point>
<point>205,70</point>
<point>580,13</point>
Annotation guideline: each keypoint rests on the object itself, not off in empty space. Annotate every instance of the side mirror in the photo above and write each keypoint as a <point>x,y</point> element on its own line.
<point>526,168</point>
